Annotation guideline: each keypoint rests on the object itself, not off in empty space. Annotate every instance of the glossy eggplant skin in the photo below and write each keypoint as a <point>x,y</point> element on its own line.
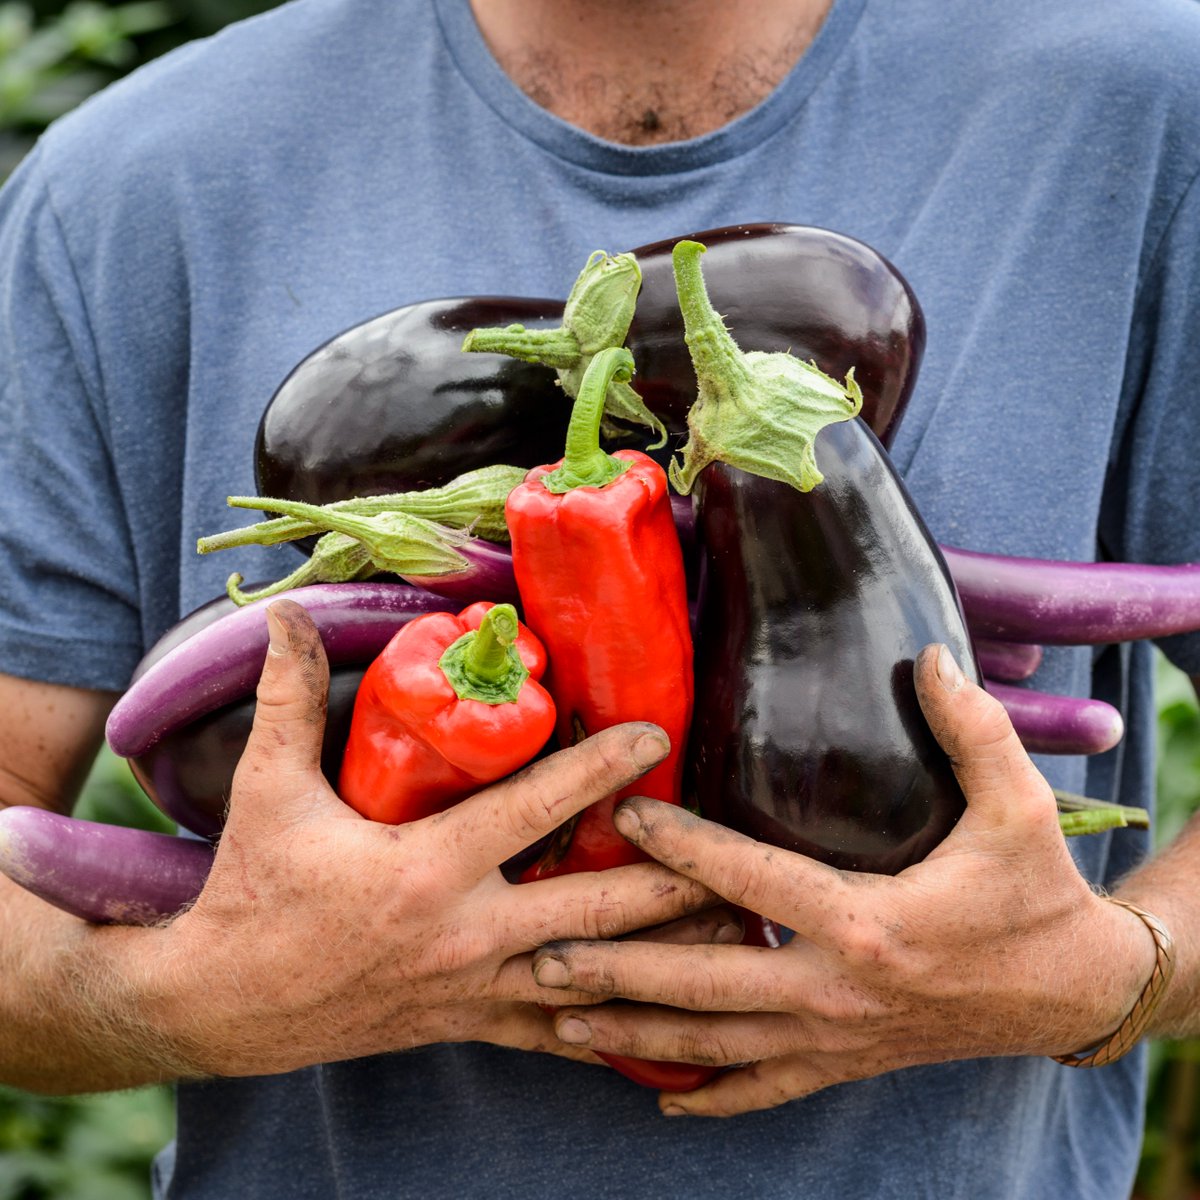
<point>394,404</point>
<point>807,732</point>
<point>818,294</point>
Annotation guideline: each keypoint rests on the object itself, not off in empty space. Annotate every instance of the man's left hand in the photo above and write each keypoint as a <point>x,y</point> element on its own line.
<point>993,945</point>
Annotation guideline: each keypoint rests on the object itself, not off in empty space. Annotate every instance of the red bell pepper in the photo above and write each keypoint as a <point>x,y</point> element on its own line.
<point>451,703</point>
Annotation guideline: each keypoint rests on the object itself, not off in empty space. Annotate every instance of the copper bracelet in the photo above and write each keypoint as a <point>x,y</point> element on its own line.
<point>1131,1029</point>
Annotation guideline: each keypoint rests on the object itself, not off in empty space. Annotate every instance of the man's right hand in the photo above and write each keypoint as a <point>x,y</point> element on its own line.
<point>322,936</point>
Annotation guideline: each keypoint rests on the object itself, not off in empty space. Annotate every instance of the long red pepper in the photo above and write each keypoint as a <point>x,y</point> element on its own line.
<point>600,573</point>
<point>451,703</point>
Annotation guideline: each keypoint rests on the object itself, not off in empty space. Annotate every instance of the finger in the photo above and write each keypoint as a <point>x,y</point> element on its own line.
<point>282,758</point>
<point>514,981</point>
<point>484,831</point>
<point>758,1086</point>
<point>1000,782</point>
<point>527,1027</point>
<point>790,889</point>
<point>597,905</point>
<point>702,978</point>
<point>720,926</point>
<point>668,1035</point>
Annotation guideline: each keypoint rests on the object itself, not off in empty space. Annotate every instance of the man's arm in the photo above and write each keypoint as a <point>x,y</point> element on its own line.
<point>993,945</point>
<point>319,935</point>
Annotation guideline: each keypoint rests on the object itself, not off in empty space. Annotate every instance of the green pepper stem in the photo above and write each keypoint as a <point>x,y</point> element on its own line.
<point>484,664</point>
<point>584,463</point>
<point>487,656</point>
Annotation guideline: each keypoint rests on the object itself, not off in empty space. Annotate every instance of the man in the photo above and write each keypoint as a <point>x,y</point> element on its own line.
<point>173,249</point>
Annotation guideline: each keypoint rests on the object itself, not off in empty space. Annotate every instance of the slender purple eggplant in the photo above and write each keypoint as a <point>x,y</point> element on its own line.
<point>188,772</point>
<point>1008,662</point>
<point>221,663</point>
<point>102,873</point>
<point>1050,724</point>
<point>1065,603</point>
<point>814,604</point>
<point>358,545</point>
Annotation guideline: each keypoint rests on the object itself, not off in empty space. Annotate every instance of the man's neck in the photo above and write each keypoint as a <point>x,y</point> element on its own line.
<point>642,72</point>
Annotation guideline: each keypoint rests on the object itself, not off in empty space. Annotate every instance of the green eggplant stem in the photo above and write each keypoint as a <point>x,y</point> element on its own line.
<point>1083,814</point>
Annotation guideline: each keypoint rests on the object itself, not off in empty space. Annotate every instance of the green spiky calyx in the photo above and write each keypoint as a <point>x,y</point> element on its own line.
<point>359,547</point>
<point>757,411</point>
<point>596,317</point>
<point>484,664</point>
<point>474,500</point>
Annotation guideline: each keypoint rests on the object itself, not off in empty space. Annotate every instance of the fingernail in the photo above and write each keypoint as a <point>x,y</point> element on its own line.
<point>728,934</point>
<point>948,670</point>
<point>649,749</point>
<point>627,821</point>
<point>673,1110</point>
<point>574,1031</point>
<point>279,642</point>
<point>551,972</point>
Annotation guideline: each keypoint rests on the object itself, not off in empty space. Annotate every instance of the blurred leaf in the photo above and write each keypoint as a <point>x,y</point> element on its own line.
<point>111,794</point>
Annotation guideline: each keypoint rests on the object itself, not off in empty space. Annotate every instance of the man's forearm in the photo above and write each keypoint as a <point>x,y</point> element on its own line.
<point>73,1009</point>
<point>1167,887</point>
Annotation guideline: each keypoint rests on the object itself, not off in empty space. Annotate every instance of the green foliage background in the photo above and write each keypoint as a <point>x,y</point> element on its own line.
<point>99,1147</point>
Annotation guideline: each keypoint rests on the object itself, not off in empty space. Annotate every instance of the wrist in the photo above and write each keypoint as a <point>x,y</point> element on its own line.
<point>123,980</point>
<point>1125,1031</point>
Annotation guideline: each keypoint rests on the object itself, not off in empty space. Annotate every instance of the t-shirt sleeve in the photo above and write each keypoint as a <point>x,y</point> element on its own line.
<point>1152,504</point>
<point>68,595</point>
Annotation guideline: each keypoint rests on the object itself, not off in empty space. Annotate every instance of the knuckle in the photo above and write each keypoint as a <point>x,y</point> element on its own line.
<point>866,942</point>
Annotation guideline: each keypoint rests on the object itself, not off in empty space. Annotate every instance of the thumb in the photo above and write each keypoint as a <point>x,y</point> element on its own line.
<point>1000,782</point>
<point>282,758</point>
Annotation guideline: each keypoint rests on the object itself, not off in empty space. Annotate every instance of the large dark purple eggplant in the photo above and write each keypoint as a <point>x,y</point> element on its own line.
<point>807,731</point>
<point>812,292</point>
<point>394,404</point>
<point>820,586</point>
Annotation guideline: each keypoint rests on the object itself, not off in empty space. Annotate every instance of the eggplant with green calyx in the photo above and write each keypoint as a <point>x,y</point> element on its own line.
<point>821,585</point>
<point>811,291</point>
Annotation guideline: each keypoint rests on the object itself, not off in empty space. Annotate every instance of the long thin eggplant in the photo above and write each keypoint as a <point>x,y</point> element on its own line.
<point>1064,603</point>
<point>1007,662</point>
<point>188,772</point>
<point>814,604</point>
<point>1049,724</point>
<point>221,662</point>
<point>102,873</point>
<point>394,405</point>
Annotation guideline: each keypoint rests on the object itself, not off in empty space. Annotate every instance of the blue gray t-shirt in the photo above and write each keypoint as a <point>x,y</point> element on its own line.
<point>170,251</point>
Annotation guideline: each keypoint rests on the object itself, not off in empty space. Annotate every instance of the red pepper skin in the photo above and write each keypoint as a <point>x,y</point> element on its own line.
<point>415,747</point>
<point>600,572</point>
<point>601,579</point>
